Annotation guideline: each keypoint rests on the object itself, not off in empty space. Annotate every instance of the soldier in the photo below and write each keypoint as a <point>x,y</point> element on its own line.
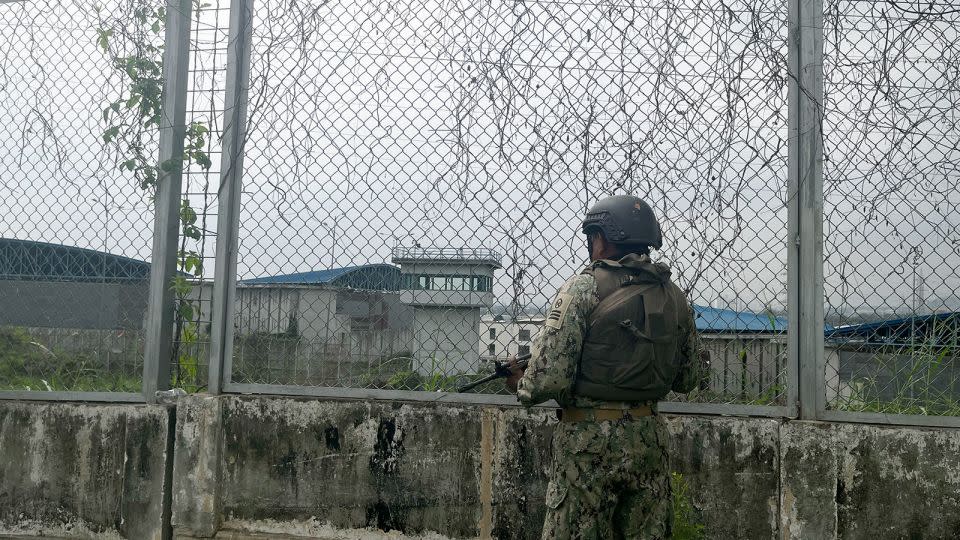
<point>619,336</point>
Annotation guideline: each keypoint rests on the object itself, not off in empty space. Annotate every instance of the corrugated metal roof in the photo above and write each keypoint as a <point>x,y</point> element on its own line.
<point>28,260</point>
<point>314,277</point>
<point>709,319</point>
<point>892,329</point>
<point>329,276</point>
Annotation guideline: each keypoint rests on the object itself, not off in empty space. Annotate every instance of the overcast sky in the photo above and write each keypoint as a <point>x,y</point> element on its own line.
<point>496,124</point>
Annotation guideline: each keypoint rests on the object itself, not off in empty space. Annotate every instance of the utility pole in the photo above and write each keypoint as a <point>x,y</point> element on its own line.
<point>331,227</point>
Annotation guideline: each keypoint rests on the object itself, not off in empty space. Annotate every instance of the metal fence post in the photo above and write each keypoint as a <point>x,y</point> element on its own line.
<point>805,343</point>
<point>160,308</point>
<point>228,224</point>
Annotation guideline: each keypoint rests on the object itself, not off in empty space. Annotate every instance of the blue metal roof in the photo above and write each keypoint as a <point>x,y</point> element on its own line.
<point>892,330</point>
<point>314,277</point>
<point>368,276</point>
<point>709,319</point>
<point>27,260</point>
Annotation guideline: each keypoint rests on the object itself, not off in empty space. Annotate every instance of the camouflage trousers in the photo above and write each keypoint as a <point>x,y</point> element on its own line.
<point>609,479</point>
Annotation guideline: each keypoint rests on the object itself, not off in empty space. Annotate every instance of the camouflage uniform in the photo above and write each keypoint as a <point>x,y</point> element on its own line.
<point>611,478</point>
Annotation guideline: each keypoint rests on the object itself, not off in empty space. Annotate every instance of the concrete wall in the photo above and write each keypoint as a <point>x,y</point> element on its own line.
<point>328,468</point>
<point>867,482</point>
<point>350,469</point>
<point>73,470</point>
<point>260,467</point>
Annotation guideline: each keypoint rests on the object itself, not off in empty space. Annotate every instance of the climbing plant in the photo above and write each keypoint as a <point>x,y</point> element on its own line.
<point>133,40</point>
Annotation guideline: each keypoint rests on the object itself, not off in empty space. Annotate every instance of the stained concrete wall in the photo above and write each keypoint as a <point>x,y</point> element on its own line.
<point>356,469</point>
<point>869,482</point>
<point>347,469</point>
<point>69,470</point>
<point>260,467</point>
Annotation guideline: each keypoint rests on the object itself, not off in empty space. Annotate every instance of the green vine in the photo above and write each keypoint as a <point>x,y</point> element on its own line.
<point>133,41</point>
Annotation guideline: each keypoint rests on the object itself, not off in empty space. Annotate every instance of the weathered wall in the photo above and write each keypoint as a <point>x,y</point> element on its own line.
<point>258,467</point>
<point>869,482</point>
<point>349,469</point>
<point>351,464</point>
<point>319,467</point>
<point>76,470</point>
<point>732,468</point>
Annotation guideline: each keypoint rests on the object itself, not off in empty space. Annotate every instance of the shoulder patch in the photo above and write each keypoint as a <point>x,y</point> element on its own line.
<point>559,310</point>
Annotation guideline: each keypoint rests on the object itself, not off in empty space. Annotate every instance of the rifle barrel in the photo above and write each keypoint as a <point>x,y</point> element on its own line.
<point>478,382</point>
<point>523,361</point>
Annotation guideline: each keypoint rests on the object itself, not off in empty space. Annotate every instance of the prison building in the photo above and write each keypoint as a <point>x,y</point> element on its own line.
<point>323,327</point>
<point>71,300</point>
<point>56,286</point>
<point>348,325</point>
<point>449,289</point>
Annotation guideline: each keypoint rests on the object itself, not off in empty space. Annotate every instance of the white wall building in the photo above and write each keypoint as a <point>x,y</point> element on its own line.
<point>503,337</point>
<point>448,289</point>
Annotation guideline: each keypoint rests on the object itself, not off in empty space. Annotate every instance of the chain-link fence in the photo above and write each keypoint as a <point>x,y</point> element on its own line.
<point>81,94</point>
<point>75,230</point>
<point>415,175</point>
<point>892,87</point>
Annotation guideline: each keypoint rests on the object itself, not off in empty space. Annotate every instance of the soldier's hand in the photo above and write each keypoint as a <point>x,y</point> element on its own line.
<point>515,373</point>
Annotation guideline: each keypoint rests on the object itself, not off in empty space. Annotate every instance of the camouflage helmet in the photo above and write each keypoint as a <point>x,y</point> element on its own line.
<point>624,219</point>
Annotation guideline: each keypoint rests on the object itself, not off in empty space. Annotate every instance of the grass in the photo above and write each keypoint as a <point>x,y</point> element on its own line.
<point>907,376</point>
<point>87,383</point>
<point>685,523</point>
<point>865,397</point>
<point>26,364</point>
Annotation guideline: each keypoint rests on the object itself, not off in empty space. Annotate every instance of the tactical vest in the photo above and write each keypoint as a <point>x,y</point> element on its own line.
<point>630,352</point>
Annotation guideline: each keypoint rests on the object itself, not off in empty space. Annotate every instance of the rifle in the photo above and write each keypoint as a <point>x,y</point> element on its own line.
<point>500,371</point>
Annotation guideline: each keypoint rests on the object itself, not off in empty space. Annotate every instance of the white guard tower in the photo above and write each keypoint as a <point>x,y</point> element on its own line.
<point>448,289</point>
